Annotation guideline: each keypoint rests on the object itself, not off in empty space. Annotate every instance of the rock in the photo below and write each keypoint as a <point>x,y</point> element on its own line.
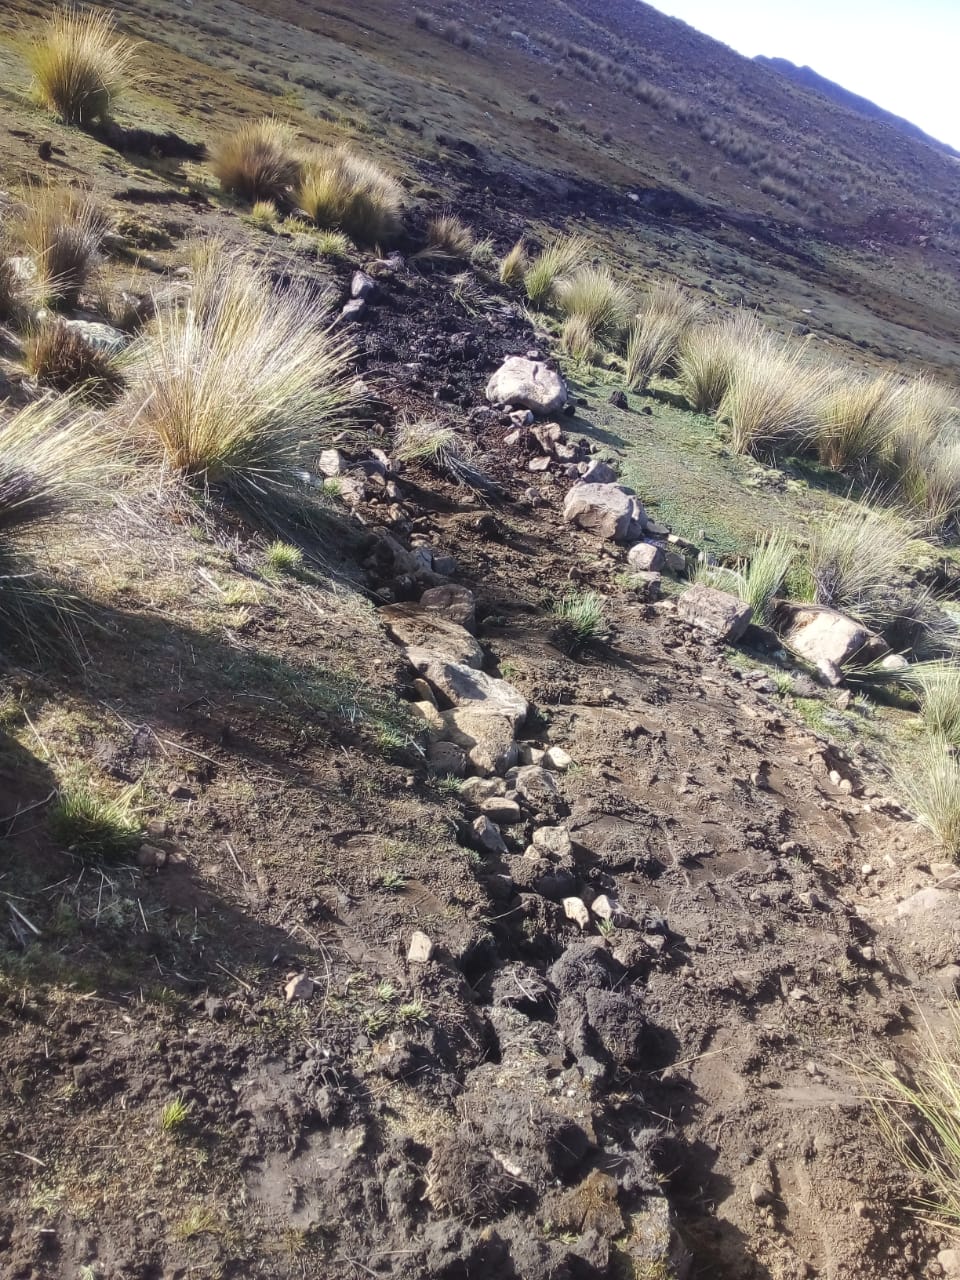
<point>456,604</point>
<point>598,472</point>
<point>464,685</point>
<point>949,1260</point>
<point>446,760</point>
<point>608,510</point>
<point>355,309</point>
<point>619,400</point>
<point>485,735</point>
<point>475,790</point>
<point>575,909</point>
<point>531,755</point>
<point>422,630</point>
<point>534,783</point>
<point>824,637</point>
<point>718,612</point>
<point>102,337</point>
<point>645,557</point>
<point>647,586</point>
<point>894,662</point>
<point>445,565</point>
<point>487,837</point>
<point>605,909</point>
<point>331,463</point>
<point>362,286</point>
<point>539,464</point>
<point>420,950</point>
<point>298,987</point>
<point>522,418</point>
<point>557,759</point>
<point>528,383</point>
<point>150,855</point>
<point>761,1194</point>
<point>427,711</point>
<point>553,840</point>
<point>501,810</point>
<point>548,435</point>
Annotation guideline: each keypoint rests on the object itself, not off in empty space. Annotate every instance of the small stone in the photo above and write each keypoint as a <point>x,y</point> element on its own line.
<point>474,791</point>
<point>355,309</point>
<point>331,463</point>
<point>949,1260</point>
<point>151,856</point>
<point>487,837</point>
<point>557,759</point>
<point>158,827</point>
<point>420,950</point>
<point>760,1194</point>
<point>553,840</point>
<point>575,909</point>
<point>533,783</point>
<point>362,286</point>
<point>645,557</point>
<point>531,755</point>
<point>445,565</point>
<point>619,400</point>
<point>178,791</point>
<point>599,472</point>
<point>455,603</point>
<point>298,987</point>
<point>501,810</point>
<point>718,612</point>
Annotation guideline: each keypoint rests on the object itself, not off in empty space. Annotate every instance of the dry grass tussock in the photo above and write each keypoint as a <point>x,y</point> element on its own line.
<point>592,296</point>
<point>61,358</point>
<point>52,457</point>
<point>918,1114</point>
<point>561,257</point>
<point>341,190</point>
<point>760,579</point>
<point>61,230</point>
<point>514,264</point>
<point>855,417</point>
<point>578,340</point>
<point>237,387</point>
<point>931,786</point>
<point>258,161</point>
<point>658,332</point>
<point>706,358</point>
<point>773,395</point>
<point>80,65</point>
<point>441,446</point>
<point>448,237</point>
<point>852,558</point>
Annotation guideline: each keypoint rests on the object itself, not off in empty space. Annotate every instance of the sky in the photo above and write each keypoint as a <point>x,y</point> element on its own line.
<point>902,54</point>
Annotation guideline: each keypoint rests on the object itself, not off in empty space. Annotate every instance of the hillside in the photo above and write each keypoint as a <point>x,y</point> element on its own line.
<point>830,89</point>
<point>479,654</point>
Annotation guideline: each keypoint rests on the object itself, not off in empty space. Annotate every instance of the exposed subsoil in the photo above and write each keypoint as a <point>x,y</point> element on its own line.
<point>679,1094</point>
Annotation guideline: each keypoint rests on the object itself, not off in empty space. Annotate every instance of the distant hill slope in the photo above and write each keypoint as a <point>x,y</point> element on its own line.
<point>829,88</point>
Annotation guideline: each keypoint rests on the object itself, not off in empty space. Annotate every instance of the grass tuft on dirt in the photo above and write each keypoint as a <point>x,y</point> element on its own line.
<point>258,161</point>
<point>80,65</point>
<point>61,358</point>
<point>96,827</point>
<point>340,190</point>
<point>62,231</point>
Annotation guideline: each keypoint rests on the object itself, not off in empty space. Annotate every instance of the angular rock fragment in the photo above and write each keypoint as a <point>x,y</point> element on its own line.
<point>528,383</point>
<point>718,612</point>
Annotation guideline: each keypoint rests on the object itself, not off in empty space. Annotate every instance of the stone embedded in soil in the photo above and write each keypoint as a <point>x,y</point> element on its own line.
<point>420,950</point>
<point>608,510</point>
<point>331,463</point>
<point>298,987</point>
<point>824,637</point>
<point>533,783</point>
<point>718,612</point>
<point>150,855</point>
<point>487,837</point>
<point>501,810</point>
<point>446,760</point>
<point>485,735</point>
<point>554,841</point>
<point>598,472</point>
<point>576,909</point>
<point>456,604</point>
<point>605,908</point>
<point>427,631</point>
<point>465,686</point>
<point>557,759</point>
<point>362,286</point>
<point>528,383</point>
<point>355,309</point>
<point>474,791</point>
<point>647,586</point>
<point>645,557</point>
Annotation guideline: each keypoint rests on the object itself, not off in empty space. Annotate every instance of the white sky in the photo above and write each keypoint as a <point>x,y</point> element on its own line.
<point>902,54</point>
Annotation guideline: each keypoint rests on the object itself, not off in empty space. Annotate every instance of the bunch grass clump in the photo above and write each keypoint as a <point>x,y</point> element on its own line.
<point>578,339</point>
<point>448,237</point>
<point>283,558</point>
<point>930,784</point>
<point>439,445</point>
<point>938,685</point>
<point>61,358</point>
<point>852,558</point>
<point>264,215</point>
<point>80,65</point>
<point>773,395</point>
<point>560,258</point>
<point>600,303</point>
<point>765,574</point>
<point>855,417</point>
<point>583,614</point>
<point>235,388</point>
<point>658,331</point>
<point>918,1115</point>
<point>96,827</point>
<point>340,190</point>
<point>258,161</point>
<point>62,230</point>
<point>706,358</point>
<point>514,265</point>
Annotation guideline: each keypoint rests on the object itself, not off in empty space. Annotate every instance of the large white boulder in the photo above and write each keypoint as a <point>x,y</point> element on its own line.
<point>529,383</point>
